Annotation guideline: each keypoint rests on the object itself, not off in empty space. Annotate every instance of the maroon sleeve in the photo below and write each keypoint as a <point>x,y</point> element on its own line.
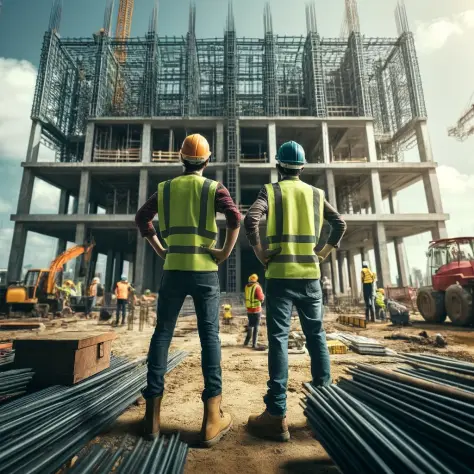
<point>145,216</point>
<point>226,205</point>
<point>259,293</point>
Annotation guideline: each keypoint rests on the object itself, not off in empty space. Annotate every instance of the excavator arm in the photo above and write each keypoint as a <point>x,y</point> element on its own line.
<point>70,254</point>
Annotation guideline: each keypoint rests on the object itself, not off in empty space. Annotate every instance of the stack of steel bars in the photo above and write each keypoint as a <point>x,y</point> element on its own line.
<point>386,422</point>
<point>14,383</point>
<point>160,456</point>
<point>44,431</point>
<point>6,357</point>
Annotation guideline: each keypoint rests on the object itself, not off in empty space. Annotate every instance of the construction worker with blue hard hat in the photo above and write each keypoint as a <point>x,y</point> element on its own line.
<point>295,214</point>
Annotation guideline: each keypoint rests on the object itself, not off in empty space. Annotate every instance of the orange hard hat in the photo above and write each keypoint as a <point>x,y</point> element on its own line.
<point>253,278</point>
<point>195,149</point>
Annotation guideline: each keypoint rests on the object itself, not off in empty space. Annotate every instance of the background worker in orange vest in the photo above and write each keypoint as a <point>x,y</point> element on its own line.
<point>91,299</point>
<point>253,301</point>
<point>122,291</point>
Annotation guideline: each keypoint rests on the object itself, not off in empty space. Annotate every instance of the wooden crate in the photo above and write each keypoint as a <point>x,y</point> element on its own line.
<point>64,358</point>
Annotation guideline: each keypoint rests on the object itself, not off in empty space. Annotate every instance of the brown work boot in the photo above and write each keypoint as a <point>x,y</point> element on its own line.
<point>269,426</point>
<point>215,423</point>
<point>152,417</point>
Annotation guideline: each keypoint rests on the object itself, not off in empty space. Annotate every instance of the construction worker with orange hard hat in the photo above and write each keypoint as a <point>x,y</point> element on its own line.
<point>253,301</point>
<point>295,214</point>
<point>186,207</point>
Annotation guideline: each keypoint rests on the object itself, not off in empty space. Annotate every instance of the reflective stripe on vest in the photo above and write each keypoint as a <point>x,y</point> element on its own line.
<point>367,276</point>
<point>187,222</point>
<point>295,219</point>
<point>250,301</point>
<point>122,291</point>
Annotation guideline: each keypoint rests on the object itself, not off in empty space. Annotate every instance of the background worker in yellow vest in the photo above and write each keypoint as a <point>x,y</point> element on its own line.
<point>295,213</point>
<point>368,279</point>
<point>186,208</point>
<point>253,301</point>
<point>122,292</point>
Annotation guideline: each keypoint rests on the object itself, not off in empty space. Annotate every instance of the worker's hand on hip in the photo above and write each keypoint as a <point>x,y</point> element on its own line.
<point>218,255</point>
<point>161,253</point>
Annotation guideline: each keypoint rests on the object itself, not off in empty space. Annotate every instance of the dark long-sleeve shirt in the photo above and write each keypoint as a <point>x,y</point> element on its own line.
<point>260,209</point>
<point>223,204</point>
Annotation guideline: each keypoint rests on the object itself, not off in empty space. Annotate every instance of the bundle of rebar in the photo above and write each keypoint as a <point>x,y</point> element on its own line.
<point>387,422</point>
<point>164,456</point>
<point>14,383</point>
<point>41,432</point>
<point>6,357</point>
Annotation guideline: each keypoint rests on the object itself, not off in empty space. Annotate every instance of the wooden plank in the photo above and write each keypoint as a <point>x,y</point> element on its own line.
<point>6,346</point>
<point>20,325</point>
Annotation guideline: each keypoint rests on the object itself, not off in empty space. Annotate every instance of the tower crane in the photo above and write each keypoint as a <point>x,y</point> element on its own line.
<point>464,127</point>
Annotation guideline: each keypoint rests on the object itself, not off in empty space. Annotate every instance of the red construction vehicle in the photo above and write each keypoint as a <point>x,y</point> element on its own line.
<point>451,270</point>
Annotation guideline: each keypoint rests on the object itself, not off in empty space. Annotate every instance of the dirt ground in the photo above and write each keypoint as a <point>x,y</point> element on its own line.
<point>244,384</point>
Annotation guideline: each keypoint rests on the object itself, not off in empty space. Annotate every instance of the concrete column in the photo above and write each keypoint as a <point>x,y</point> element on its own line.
<point>335,274</point>
<point>400,255</point>
<point>93,208</point>
<point>371,146</point>
<point>424,142</point>
<point>432,192</point>
<point>34,142</point>
<point>61,247</point>
<point>171,140</point>
<point>63,202</point>
<point>326,145</point>
<point>364,255</point>
<point>89,143</point>
<point>118,267</point>
<point>140,263</point>
<point>331,188</point>
<point>219,152</point>
<point>131,272</point>
<point>439,232</point>
<point>109,269</point>
<point>26,192</point>
<point>375,193</point>
<point>381,255</point>
<point>393,202</point>
<point>143,188</point>
<point>17,252</point>
<point>238,269</point>
<point>220,176</point>
<point>342,267</point>
<point>145,152</point>
<point>354,281</point>
<point>84,192</point>
<point>75,205</point>
<point>272,151</point>
<point>326,269</point>
<point>79,240</point>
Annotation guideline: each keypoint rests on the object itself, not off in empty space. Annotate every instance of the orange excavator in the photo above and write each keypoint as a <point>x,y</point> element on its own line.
<point>37,294</point>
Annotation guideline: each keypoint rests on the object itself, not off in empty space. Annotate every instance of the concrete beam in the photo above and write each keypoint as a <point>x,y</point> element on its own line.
<point>145,151</point>
<point>370,138</point>
<point>34,142</point>
<point>381,255</point>
<point>400,255</point>
<point>375,193</point>
<point>17,252</point>
<point>424,142</point>
<point>219,152</point>
<point>326,145</point>
<point>432,192</point>
<point>89,143</point>
<point>84,192</point>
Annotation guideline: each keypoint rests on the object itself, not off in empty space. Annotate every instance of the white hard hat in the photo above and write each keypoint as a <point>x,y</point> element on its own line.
<point>96,280</point>
<point>365,264</point>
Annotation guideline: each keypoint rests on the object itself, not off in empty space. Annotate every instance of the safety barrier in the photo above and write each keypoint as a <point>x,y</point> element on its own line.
<point>165,156</point>
<point>125,155</point>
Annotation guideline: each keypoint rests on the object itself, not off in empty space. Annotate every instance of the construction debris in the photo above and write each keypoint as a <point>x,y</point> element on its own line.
<point>423,338</point>
<point>21,326</point>
<point>361,345</point>
<point>386,422</point>
<point>41,432</point>
<point>167,456</point>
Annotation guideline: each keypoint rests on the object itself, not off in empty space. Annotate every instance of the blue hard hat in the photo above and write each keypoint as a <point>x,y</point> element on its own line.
<point>291,155</point>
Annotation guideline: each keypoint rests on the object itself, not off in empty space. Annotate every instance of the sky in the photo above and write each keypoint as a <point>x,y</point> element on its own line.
<point>444,32</point>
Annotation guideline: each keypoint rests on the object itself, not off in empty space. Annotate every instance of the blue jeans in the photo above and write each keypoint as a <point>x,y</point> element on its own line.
<point>368,289</point>
<point>121,308</point>
<point>306,296</point>
<point>204,289</point>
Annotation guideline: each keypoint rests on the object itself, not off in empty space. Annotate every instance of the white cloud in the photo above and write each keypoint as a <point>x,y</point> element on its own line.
<point>45,198</point>
<point>435,34</point>
<point>453,182</point>
<point>6,207</point>
<point>17,85</point>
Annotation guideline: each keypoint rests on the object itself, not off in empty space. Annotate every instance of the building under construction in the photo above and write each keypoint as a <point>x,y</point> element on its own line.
<point>115,110</point>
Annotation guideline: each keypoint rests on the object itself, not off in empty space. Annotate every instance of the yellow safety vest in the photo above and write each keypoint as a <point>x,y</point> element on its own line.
<point>295,219</point>
<point>250,301</point>
<point>187,222</point>
<point>367,276</point>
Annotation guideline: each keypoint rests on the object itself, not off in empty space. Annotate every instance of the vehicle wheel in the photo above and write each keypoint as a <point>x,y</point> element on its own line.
<point>459,305</point>
<point>431,305</point>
